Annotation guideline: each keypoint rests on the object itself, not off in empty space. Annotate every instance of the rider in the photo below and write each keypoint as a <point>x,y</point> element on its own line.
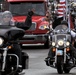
<point>73,50</point>
<point>7,20</point>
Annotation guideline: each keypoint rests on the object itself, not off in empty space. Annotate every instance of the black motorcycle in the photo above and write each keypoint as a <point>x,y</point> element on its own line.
<point>9,61</point>
<point>60,47</point>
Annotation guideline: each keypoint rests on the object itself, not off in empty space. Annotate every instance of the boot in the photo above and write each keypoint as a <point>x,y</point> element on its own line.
<point>47,61</point>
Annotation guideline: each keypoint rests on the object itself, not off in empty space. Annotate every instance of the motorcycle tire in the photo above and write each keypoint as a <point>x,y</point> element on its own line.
<point>59,65</point>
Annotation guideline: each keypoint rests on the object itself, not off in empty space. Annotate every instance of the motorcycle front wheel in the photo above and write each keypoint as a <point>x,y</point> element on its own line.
<point>59,65</point>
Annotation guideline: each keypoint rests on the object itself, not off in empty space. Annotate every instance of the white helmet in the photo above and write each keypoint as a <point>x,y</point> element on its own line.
<point>7,13</point>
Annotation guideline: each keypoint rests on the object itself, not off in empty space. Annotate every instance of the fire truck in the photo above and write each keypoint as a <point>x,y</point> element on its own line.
<point>37,33</point>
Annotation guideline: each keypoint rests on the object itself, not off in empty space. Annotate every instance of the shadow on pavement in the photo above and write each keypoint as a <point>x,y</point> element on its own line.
<point>33,47</point>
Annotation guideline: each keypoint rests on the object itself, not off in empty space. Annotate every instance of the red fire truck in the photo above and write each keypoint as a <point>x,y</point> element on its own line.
<point>37,32</point>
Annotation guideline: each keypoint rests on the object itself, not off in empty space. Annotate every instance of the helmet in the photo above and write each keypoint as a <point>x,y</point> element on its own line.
<point>64,22</point>
<point>8,13</point>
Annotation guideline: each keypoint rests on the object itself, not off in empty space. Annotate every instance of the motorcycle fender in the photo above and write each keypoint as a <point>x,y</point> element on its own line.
<point>59,52</point>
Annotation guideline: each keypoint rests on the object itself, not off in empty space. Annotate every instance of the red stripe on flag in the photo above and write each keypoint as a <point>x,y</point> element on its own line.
<point>61,10</point>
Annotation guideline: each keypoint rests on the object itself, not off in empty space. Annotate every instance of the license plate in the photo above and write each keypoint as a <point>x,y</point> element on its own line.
<point>59,52</point>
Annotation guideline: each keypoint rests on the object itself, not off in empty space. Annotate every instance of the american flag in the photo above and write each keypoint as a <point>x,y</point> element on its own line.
<point>62,12</point>
<point>61,8</point>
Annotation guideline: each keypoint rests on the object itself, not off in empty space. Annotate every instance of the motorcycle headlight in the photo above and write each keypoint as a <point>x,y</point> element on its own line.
<point>43,27</point>
<point>67,43</point>
<point>1,41</point>
<point>60,42</point>
<point>53,43</point>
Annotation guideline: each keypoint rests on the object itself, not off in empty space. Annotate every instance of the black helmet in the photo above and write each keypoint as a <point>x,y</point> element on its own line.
<point>64,22</point>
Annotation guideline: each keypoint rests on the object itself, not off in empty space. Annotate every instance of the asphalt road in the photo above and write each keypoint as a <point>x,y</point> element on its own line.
<point>37,65</point>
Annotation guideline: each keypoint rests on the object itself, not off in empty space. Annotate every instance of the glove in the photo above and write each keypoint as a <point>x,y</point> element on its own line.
<point>31,12</point>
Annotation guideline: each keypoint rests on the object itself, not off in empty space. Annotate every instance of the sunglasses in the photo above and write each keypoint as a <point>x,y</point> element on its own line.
<point>6,17</point>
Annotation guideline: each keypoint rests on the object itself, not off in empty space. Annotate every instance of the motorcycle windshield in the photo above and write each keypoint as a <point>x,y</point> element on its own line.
<point>61,29</point>
<point>61,33</point>
<point>8,29</point>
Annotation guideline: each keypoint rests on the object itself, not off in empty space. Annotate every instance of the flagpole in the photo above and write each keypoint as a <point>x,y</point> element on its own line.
<point>68,13</point>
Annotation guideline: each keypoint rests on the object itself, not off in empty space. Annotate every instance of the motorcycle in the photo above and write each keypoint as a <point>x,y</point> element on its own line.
<point>9,62</point>
<point>60,47</point>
